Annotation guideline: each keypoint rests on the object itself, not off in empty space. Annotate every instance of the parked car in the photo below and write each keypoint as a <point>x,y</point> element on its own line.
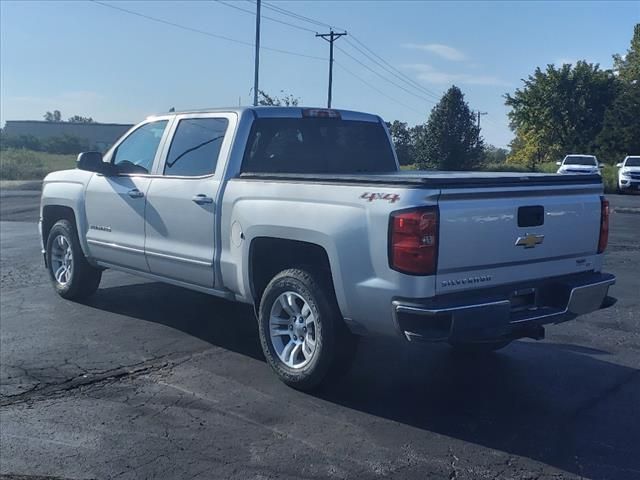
<point>579,164</point>
<point>304,214</point>
<point>629,174</point>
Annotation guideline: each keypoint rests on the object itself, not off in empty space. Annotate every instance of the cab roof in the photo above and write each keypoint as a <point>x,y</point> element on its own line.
<point>279,112</point>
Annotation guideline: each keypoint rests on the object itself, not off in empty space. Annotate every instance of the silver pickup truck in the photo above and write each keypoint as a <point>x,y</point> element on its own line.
<point>304,214</point>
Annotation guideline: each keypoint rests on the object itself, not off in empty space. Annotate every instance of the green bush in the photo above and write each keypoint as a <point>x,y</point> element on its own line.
<point>66,144</point>
<point>411,166</point>
<point>21,141</point>
<point>610,178</point>
<point>21,164</point>
<point>547,167</point>
<point>502,167</point>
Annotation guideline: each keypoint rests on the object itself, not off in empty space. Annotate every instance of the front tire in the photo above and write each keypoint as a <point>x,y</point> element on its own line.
<point>301,330</point>
<point>72,276</point>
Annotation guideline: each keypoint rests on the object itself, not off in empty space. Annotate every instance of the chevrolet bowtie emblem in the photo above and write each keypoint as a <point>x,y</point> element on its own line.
<point>530,240</point>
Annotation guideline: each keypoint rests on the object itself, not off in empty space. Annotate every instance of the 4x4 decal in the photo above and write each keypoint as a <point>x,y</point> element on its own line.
<point>390,197</point>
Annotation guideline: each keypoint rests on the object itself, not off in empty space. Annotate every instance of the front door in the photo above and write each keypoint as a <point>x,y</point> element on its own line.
<point>181,202</point>
<point>115,204</point>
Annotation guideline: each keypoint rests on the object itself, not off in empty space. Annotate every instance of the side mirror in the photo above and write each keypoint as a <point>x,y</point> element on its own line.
<point>559,164</point>
<point>619,165</point>
<point>601,165</point>
<point>91,162</point>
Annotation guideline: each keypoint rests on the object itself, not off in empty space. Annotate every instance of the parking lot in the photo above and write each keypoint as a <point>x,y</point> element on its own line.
<point>146,380</point>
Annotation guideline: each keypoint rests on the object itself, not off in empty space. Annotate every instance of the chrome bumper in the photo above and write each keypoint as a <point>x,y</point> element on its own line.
<point>510,311</point>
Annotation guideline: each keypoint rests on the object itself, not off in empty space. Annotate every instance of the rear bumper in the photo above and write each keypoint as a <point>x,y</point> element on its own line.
<point>505,312</point>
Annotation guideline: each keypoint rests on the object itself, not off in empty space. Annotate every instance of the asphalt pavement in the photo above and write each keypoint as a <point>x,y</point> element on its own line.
<point>146,380</point>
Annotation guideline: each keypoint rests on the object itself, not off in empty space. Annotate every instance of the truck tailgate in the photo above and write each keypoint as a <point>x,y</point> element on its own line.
<point>496,236</point>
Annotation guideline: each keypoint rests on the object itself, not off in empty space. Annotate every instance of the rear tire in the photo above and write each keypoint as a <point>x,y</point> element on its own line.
<point>478,348</point>
<point>303,336</point>
<point>72,276</point>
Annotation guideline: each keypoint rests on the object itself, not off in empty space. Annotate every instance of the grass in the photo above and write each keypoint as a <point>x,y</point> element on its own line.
<point>30,165</point>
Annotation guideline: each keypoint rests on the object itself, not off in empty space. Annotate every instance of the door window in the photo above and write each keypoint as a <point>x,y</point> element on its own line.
<point>136,152</point>
<point>195,147</point>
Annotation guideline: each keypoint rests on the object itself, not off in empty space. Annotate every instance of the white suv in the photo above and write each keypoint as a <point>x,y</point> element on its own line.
<point>573,164</point>
<point>629,174</point>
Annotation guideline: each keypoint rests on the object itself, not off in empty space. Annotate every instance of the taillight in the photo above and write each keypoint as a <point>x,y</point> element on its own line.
<point>413,241</point>
<point>604,225</point>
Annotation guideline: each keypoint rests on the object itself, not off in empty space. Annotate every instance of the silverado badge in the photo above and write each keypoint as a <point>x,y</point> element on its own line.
<point>530,240</point>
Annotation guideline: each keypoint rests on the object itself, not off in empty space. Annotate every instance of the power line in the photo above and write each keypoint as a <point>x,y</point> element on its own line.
<point>277,50</point>
<point>204,32</point>
<point>394,71</point>
<point>385,78</point>
<point>297,16</point>
<point>312,21</point>
<point>377,89</point>
<point>265,16</point>
<point>388,68</point>
<point>391,69</point>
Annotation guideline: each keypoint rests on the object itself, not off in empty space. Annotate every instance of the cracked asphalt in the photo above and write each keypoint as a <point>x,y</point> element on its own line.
<point>146,380</point>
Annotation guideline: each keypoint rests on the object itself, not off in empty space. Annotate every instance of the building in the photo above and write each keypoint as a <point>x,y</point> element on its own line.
<point>98,136</point>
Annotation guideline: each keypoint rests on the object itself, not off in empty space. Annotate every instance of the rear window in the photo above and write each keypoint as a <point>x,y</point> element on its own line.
<point>195,147</point>
<point>317,145</point>
<point>580,161</point>
<point>632,162</point>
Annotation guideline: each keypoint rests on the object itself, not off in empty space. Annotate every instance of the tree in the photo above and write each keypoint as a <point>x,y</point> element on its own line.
<point>495,154</point>
<point>527,149</point>
<point>402,141</point>
<point>560,110</point>
<point>628,67</point>
<point>79,119</point>
<point>418,134</point>
<point>54,116</point>
<point>451,139</point>
<point>620,135</point>
<point>287,100</point>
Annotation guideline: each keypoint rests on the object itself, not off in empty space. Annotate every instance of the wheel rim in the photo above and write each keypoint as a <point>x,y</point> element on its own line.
<point>61,260</point>
<point>293,330</point>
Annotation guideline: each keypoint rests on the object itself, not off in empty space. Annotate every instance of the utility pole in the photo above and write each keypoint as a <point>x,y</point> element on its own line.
<point>480,113</point>
<point>330,37</point>
<point>257,59</point>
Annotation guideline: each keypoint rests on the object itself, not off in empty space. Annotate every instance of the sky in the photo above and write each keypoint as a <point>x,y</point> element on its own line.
<point>84,58</point>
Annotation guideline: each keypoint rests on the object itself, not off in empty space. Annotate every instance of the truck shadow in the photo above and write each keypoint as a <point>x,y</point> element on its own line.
<point>560,404</point>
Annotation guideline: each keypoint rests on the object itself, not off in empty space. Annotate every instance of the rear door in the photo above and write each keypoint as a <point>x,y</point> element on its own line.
<point>497,236</point>
<point>181,200</point>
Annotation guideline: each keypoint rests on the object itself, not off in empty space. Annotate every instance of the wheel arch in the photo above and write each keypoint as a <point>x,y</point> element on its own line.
<point>64,200</point>
<point>52,214</point>
<point>270,255</point>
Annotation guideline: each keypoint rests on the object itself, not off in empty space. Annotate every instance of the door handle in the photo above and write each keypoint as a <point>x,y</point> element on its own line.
<point>135,193</point>
<point>202,199</point>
